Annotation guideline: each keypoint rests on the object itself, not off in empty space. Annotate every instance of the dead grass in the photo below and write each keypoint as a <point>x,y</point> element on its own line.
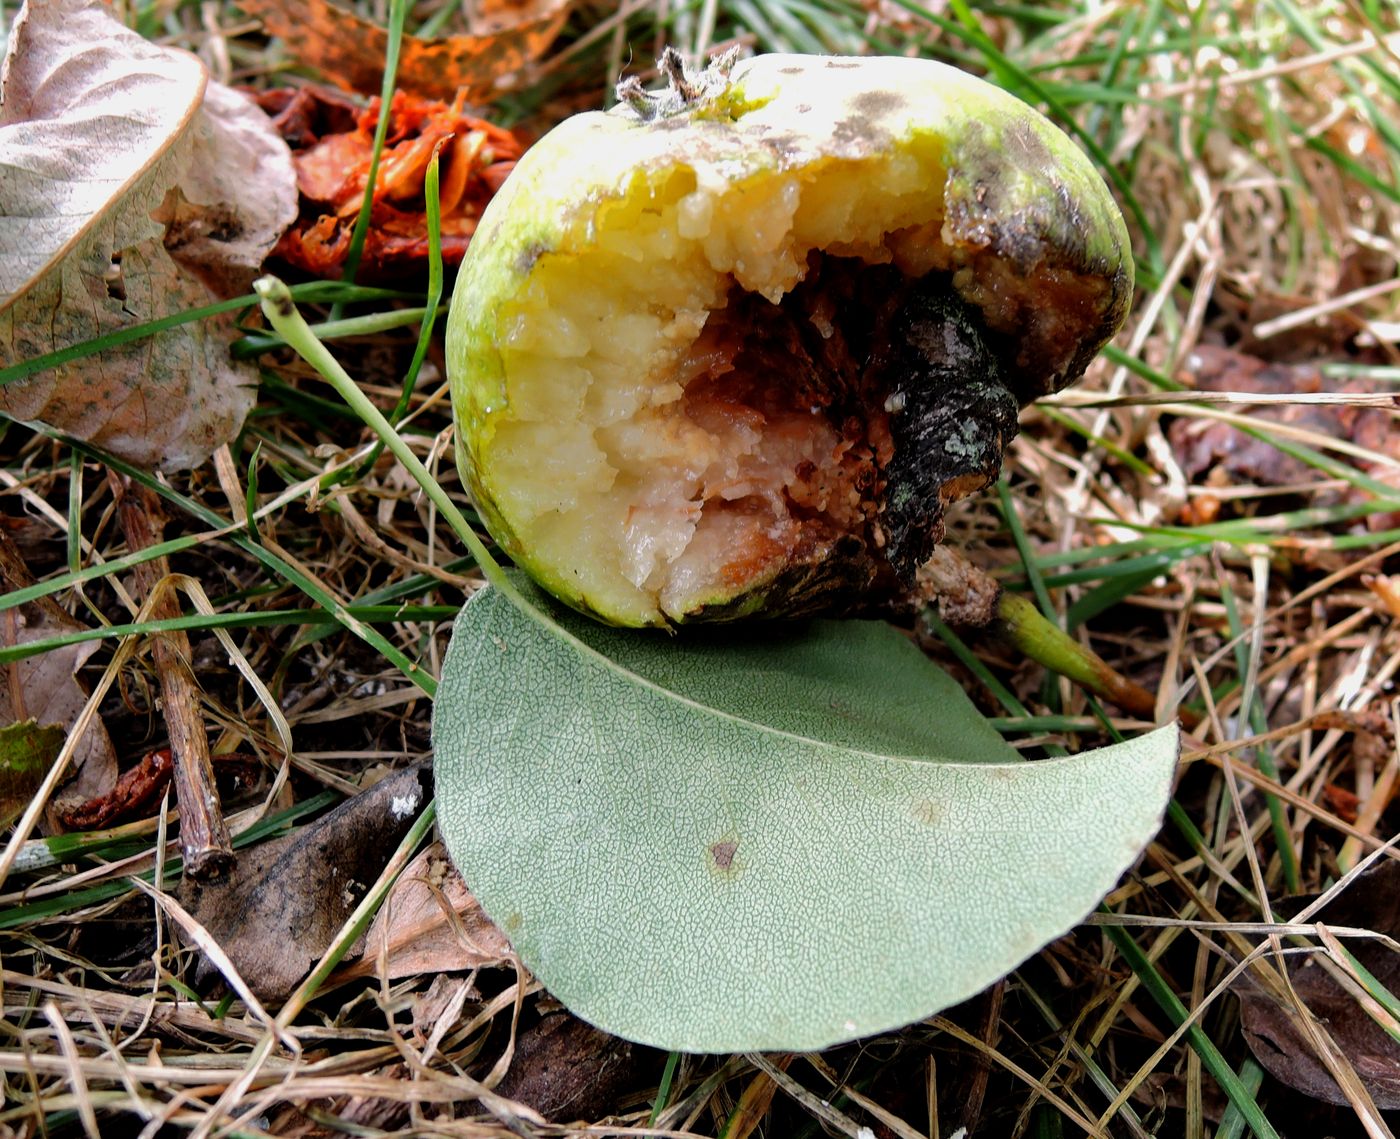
<point>1256,151</point>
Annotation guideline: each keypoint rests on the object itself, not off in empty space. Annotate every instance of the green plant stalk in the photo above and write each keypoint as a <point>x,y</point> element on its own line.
<point>1023,548</point>
<point>282,314</point>
<point>663,1090</point>
<point>255,344</point>
<point>1050,690</point>
<point>1232,1122</point>
<point>1122,454</point>
<point>1004,696</point>
<point>398,15</point>
<point>429,315</point>
<point>1264,756</point>
<point>1021,624</point>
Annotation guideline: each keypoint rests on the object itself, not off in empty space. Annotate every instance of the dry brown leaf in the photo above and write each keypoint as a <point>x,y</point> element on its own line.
<point>566,1069</point>
<point>44,688</point>
<point>276,913</point>
<point>1273,1032</point>
<point>431,923</point>
<point>97,128</point>
<point>349,50</point>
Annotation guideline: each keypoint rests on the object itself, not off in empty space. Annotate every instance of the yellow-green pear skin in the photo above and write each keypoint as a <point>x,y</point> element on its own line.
<point>730,349</point>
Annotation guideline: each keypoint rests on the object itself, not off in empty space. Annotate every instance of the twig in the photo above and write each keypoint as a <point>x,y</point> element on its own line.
<point>204,837</point>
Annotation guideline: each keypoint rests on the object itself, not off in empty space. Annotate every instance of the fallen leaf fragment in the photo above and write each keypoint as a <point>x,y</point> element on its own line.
<point>1273,1032</point>
<point>279,908</point>
<point>349,50</point>
<point>44,688</point>
<point>333,142</point>
<point>1214,453</point>
<point>431,923</point>
<point>235,199</point>
<point>105,139</point>
<point>27,751</point>
<point>566,1069</point>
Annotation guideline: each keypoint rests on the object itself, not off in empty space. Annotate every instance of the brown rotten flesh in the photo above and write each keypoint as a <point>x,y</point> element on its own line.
<point>836,425</point>
<point>735,353</point>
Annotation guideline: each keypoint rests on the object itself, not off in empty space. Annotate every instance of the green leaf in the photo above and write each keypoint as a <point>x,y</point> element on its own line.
<point>776,838</point>
<point>26,753</point>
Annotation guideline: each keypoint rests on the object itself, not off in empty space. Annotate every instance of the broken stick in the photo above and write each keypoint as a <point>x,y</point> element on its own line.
<point>204,837</point>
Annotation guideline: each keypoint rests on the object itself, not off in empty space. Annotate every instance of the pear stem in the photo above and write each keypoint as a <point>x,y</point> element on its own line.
<point>968,596</point>
<point>1023,626</point>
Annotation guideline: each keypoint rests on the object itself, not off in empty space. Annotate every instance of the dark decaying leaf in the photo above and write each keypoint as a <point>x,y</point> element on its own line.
<point>1272,1030</point>
<point>285,900</point>
<point>566,1069</point>
<point>349,50</point>
<point>1217,453</point>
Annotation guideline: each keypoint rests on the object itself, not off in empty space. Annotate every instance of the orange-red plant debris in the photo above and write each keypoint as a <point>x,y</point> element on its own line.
<point>332,140</point>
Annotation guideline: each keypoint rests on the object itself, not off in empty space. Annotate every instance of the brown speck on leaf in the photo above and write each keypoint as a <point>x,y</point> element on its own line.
<point>723,853</point>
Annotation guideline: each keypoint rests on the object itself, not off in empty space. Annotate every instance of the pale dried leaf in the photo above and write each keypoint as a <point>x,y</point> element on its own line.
<point>431,923</point>
<point>96,129</point>
<point>236,198</point>
<point>86,109</point>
